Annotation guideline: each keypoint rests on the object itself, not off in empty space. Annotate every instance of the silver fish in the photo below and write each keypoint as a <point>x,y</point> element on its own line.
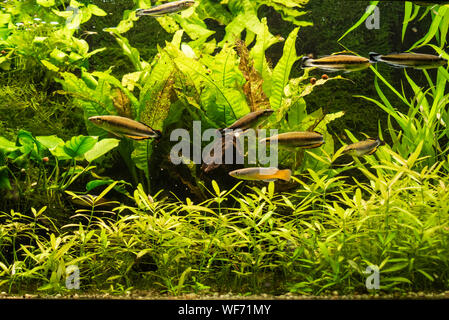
<point>300,139</point>
<point>340,62</point>
<point>166,8</point>
<point>409,59</point>
<point>125,127</point>
<point>261,174</point>
<point>365,147</point>
<point>251,120</point>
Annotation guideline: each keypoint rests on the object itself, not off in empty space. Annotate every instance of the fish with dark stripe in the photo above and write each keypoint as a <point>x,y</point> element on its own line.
<point>409,59</point>
<point>340,62</point>
<point>125,127</point>
<point>251,120</point>
<point>166,8</point>
<point>297,139</point>
<point>362,148</point>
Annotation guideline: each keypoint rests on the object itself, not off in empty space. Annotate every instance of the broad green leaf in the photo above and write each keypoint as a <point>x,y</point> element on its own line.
<point>141,155</point>
<point>100,148</point>
<point>46,3</point>
<point>49,65</point>
<point>7,146</point>
<point>79,145</point>
<point>4,18</point>
<point>96,10</point>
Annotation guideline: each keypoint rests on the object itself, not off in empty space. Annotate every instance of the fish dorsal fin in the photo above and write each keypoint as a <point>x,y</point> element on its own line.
<point>269,170</point>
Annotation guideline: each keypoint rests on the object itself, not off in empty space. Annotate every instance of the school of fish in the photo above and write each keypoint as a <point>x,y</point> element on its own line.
<point>125,127</point>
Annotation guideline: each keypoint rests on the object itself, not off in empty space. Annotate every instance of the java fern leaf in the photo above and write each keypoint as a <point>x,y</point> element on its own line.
<point>282,70</point>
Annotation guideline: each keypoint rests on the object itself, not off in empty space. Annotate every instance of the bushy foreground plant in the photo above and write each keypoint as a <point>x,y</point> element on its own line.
<point>317,239</point>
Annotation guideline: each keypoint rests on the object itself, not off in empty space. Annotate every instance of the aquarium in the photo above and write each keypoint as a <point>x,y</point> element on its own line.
<point>226,149</point>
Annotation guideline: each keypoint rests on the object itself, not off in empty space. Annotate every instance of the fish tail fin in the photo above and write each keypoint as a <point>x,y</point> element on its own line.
<point>374,57</point>
<point>285,174</point>
<point>140,12</point>
<point>159,134</point>
<point>306,62</point>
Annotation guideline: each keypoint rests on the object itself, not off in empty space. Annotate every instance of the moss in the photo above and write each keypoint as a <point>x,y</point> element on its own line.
<point>25,105</point>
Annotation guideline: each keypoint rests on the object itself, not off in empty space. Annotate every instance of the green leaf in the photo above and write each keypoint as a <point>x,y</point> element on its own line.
<point>407,15</point>
<point>4,181</point>
<point>98,183</point>
<point>78,146</point>
<point>297,113</point>
<point>46,3</point>
<point>132,53</point>
<point>396,267</point>
<point>141,154</point>
<point>7,146</point>
<point>100,148</point>
<point>96,10</point>
<point>58,55</point>
<point>397,279</point>
<point>264,40</point>
<point>216,188</point>
<point>4,18</point>
<point>49,65</point>
<point>434,27</point>
<point>50,142</point>
<point>282,70</point>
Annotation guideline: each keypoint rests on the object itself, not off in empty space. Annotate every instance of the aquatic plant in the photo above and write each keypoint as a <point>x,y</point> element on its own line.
<point>317,239</point>
<point>438,28</point>
<point>37,33</point>
<point>216,83</point>
<point>425,120</point>
<point>58,163</point>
